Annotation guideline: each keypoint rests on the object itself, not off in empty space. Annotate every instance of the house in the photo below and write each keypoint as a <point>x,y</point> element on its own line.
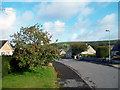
<point>5,48</point>
<point>116,48</point>
<point>89,51</point>
<point>62,51</point>
<point>69,53</point>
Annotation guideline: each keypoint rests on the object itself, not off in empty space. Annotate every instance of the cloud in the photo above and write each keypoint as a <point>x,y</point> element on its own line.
<point>81,24</point>
<point>61,0</point>
<point>7,20</point>
<point>108,20</point>
<point>86,11</point>
<point>98,33</point>
<point>56,28</point>
<point>26,17</point>
<point>74,36</point>
<point>61,10</point>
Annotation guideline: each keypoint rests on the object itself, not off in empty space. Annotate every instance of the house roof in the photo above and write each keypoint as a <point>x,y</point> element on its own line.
<point>70,50</point>
<point>2,42</point>
<point>116,46</point>
<point>61,50</point>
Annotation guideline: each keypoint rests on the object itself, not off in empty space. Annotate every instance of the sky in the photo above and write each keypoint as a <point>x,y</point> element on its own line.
<point>66,21</point>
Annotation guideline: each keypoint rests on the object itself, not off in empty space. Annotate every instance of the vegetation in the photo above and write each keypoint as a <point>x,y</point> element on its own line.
<point>6,68</point>
<point>88,55</point>
<point>29,66</point>
<point>102,51</point>
<point>32,48</point>
<point>95,47</point>
<point>66,47</point>
<point>63,55</point>
<point>93,43</point>
<point>78,48</point>
<point>42,78</point>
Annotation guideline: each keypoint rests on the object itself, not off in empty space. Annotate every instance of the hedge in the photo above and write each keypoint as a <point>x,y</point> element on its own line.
<point>102,52</point>
<point>88,55</point>
<point>6,68</point>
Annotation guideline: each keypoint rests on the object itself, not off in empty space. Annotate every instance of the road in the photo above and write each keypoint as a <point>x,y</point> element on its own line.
<point>68,78</point>
<point>96,75</point>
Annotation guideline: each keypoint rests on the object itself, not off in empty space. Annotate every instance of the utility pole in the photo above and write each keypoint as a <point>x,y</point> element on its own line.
<point>109,44</point>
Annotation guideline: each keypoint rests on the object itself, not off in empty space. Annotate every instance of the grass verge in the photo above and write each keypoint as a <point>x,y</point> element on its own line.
<point>43,78</point>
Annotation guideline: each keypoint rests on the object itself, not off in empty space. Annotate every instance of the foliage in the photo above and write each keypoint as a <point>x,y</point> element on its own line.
<point>43,78</point>
<point>6,65</point>
<point>78,48</point>
<point>65,47</point>
<point>95,47</point>
<point>92,43</point>
<point>88,55</point>
<point>62,55</point>
<point>32,47</point>
<point>102,51</point>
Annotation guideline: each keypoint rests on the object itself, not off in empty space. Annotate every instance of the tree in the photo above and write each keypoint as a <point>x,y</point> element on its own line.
<point>78,48</point>
<point>95,47</point>
<point>102,51</point>
<point>64,46</point>
<point>32,48</point>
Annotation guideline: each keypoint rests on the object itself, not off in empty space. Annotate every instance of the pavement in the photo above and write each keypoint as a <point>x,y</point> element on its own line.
<point>68,78</point>
<point>95,75</point>
<point>116,65</point>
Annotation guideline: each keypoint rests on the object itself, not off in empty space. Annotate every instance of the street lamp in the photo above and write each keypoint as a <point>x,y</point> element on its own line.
<point>109,43</point>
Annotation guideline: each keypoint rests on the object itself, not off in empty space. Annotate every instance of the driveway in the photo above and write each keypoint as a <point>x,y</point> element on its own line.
<point>96,75</point>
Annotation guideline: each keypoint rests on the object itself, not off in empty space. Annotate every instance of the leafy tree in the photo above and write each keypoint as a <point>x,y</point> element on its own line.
<point>32,48</point>
<point>102,51</point>
<point>63,46</point>
<point>78,48</point>
<point>95,47</point>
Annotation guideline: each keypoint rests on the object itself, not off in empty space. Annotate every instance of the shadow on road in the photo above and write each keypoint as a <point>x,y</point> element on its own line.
<point>68,78</point>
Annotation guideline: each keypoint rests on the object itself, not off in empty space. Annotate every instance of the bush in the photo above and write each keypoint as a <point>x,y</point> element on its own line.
<point>33,48</point>
<point>62,55</point>
<point>9,64</point>
<point>6,68</point>
<point>88,55</point>
<point>91,55</point>
<point>102,52</point>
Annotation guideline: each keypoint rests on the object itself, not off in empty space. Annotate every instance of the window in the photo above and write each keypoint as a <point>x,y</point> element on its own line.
<point>8,52</point>
<point>3,53</point>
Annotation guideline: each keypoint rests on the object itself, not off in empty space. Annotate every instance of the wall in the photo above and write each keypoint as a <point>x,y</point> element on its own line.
<point>6,48</point>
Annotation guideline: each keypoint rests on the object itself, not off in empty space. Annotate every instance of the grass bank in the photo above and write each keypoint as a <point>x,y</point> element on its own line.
<point>43,78</point>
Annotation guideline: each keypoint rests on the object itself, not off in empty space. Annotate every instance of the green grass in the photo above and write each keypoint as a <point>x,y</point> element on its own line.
<point>43,78</point>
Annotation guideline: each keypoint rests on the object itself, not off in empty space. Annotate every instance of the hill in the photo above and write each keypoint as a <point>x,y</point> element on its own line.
<point>100,43</point>
<point>66,45</point>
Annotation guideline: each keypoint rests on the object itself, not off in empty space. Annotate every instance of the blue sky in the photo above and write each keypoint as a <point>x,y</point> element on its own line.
<point>67,21</point>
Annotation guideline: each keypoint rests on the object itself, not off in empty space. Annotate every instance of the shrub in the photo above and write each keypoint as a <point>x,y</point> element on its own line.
<point>6,68</point>
<point>91,55</point>
<point>88,55</point>
<point>102,51</point>
<point>62,55</point>
<point>33,48</point>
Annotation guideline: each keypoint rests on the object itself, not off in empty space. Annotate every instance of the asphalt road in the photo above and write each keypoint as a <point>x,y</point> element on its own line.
<point>96,75</point>
<point>68,78</point>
